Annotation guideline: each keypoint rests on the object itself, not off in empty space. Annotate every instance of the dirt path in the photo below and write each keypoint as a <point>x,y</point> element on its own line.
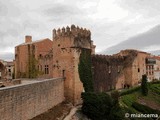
<point>71,114</point>
<point>76,114</point>
<point>149,103</point>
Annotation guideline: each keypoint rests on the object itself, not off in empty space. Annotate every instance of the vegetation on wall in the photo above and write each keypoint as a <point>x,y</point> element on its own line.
<point>84,69</point>
<point>33,72</point>
<point>32,67</point>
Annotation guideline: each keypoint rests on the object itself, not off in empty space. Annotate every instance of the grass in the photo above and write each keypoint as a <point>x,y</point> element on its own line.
<point>129,91</point>
<point>154,93</point>
<point>127,100</point>
<point>155,88</point>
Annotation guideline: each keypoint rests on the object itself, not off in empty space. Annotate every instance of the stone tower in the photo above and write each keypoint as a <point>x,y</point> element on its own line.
<point>67,45</point>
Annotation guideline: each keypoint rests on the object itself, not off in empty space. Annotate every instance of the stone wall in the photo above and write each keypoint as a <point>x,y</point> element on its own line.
<point>23,102</point>
<point>107,72</point>
<point>121,70</point>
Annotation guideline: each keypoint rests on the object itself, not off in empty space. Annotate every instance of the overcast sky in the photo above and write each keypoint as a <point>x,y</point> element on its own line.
<point>110,21</point>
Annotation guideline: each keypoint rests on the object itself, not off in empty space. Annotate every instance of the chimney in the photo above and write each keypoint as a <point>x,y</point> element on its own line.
<point>28,39</point>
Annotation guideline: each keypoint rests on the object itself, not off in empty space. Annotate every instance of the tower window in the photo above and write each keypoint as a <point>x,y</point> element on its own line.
<point>40,55</point>
<point>63,73</point>
<point>46,68</point>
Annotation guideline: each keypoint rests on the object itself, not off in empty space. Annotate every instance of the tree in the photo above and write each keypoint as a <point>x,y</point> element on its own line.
<point>85,72</point>
<point>144,85</point>
<point>97,106</point>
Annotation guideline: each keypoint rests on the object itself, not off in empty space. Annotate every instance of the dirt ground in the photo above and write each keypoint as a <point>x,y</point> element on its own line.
<point>56,113</point>
<point>149,103</point>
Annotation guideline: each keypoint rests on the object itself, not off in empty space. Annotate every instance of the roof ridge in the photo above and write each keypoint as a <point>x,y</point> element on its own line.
<point>34,41</point>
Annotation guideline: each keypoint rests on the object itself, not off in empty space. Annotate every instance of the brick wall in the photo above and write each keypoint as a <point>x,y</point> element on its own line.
<point>23,53</point>
<point>22,102</point>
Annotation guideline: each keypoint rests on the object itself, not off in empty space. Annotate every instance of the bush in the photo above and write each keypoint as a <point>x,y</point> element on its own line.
<point>117,113</point>
<point>96,106</point>
<point>129,91</point>
<point>144,85</point>
<point>115,96</point>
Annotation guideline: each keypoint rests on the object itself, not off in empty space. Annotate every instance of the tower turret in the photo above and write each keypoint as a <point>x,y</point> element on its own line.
<point>67,45</point>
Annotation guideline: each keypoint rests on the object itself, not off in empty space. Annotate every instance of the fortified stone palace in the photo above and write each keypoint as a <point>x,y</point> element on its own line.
<point>59,57</point>
<point>58,60</point>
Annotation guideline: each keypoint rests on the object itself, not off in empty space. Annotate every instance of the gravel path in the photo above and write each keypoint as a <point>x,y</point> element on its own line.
<point>76,114</point>
<point>71,114</point>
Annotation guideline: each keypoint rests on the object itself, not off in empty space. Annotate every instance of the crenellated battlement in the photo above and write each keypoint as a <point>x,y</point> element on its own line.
<point>71,31</point>
<point>100,56</point>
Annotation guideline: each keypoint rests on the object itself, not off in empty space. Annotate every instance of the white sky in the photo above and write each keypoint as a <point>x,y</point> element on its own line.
<point>110,21</point>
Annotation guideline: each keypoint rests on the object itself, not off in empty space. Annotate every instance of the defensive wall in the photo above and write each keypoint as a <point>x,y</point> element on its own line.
<point>25,101</point>
<point>114,71</point>
<point>107,72</point>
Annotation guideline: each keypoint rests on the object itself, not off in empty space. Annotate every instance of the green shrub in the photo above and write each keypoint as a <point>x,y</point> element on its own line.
<point>96,106</point>
<point>117,113</point>
<point>144,85</point>
<point>115,96</point>
<point>129,91</point>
